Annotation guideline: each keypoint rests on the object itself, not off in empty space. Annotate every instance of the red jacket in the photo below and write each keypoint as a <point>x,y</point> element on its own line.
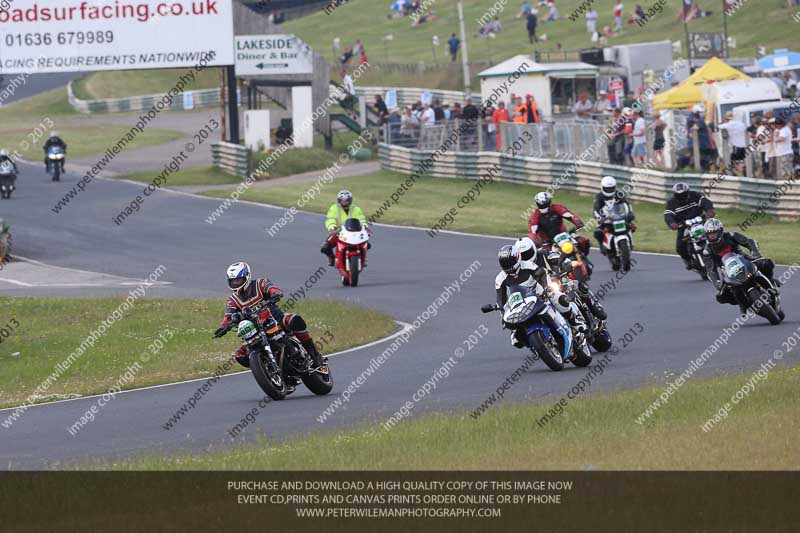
<point>545,226</point>
<point>257,297</point>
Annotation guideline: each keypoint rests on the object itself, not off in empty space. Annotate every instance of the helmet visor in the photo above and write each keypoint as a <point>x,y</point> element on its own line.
<point>345,202</point>
<point>237,283</point>
<point>713,236</point>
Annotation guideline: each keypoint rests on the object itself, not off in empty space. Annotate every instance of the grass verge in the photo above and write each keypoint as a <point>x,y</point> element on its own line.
<point>367,20</point>
<point>598,432</point>
<point>50,329</point>
<point>499,208</point>
<point>188,176</point>
<point>82,141</point>
<point>124,83</point>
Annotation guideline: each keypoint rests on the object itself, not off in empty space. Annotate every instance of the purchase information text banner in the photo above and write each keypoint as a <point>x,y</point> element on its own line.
<point>43,36</point>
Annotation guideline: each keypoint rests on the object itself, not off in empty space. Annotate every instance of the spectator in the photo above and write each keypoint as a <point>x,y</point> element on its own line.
<point>455,113</point>
<point>358,48</point>
<point>428,117</point>
<point>500,115</point>
<point>531,26</point>
<point>618,7</point>
<point>659,141</point>
<point>526,9</point>
<point>627,150</point>
<point>346,55</point>
<point>454,44</point>
<point>616,127</point>
<point>363,60</point>
<point>782,138</point>
<point>630,101</point>
<point>638,15</point>
<point>639,138</point>
<point>591,21</point>
<point>394,120</point>
<point>531,112</point>
<point>583,107</point>
<point>383,111</point>
<point>708,150</point>
<point>736,139</point>
<point>438,112</point>
<point>349,101</point>
<point>553,15</point>
<point>470,112</point>
<point>762,141</point>
<point>408,123</point>
<point>795,125</point>
<point>603,104</point>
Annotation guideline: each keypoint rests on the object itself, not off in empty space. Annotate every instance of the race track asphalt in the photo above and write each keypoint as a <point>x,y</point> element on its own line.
<point>407,272</point>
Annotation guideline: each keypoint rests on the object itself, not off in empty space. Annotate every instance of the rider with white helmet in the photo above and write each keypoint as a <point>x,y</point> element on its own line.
<point>608,196</point>
<point>54,140</point>
<point>261,296</point>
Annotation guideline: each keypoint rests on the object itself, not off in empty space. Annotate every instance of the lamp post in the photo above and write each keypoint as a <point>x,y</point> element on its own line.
<point>464,53</point>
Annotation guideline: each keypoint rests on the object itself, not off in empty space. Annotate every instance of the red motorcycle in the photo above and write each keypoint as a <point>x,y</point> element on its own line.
<point>352,243</point>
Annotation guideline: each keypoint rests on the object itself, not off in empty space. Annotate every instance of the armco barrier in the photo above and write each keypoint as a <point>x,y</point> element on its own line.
<point>202,98</point>
<point>645,185</point>
<point>233,159</point>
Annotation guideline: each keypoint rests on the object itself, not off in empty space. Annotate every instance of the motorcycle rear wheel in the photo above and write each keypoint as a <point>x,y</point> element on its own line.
<point>765,309</point>
<point>545,351</point>
<point>582,358</point>
<point>266,379</point>
<point>317,382</point>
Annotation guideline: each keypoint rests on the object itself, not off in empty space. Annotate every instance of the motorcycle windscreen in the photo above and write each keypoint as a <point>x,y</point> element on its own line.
<point>353,224</point>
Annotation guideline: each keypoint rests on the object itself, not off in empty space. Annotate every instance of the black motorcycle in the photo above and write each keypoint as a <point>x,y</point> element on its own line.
<point>566,280</point>
<point>750,288</point>
<point>8,179</point>
<point>274,356</point>
<point>694,234</point>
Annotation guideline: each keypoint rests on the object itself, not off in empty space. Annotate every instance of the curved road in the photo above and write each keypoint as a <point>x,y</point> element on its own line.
<point>407,272</point>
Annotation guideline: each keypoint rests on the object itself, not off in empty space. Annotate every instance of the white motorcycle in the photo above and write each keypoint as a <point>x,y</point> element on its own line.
<point>694,233</point>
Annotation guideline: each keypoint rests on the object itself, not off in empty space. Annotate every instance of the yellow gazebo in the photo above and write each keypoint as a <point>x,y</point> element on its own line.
<point>689,92</point>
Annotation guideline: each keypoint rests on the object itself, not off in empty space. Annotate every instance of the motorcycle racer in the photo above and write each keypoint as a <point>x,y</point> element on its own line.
<point>261,295</point>
<point>548,221</point>
<point>515,271</point>
<point>609,195</point>
<point>54,140</point>
<point>719,243</point>
<point>337,214</point>
<point>685,204</point>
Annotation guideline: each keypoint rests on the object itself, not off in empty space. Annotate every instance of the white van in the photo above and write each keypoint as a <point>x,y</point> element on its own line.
<point>723,96</point>
<point>784,109</point>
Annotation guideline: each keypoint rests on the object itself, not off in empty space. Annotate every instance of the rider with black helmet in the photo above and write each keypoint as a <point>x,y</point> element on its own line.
<point>515,271</point>
<point>719,243</point>
<point>685,204</point>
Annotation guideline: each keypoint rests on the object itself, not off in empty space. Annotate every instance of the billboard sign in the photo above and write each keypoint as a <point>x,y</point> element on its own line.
<point>257,55</point>
<point>705,45</point>
<point>44,36</point>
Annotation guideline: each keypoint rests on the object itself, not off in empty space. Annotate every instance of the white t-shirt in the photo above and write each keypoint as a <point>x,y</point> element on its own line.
<point>591,16</point>
<point>428,117</point>
<point>348,85</point>
<point>638,131</point>
<point>783,147</point>
<point>762,139</point>
<point>736,131</point>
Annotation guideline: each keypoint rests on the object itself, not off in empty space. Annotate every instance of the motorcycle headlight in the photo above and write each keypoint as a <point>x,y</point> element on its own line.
<point>567,247</point>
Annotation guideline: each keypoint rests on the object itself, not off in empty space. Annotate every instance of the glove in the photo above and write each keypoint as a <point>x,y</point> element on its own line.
<point>633,227</point>
<point>756,256</point>
<point>332,230</point>
<point>712,214</point>
<point>673,226</point>
<point>220,332</point>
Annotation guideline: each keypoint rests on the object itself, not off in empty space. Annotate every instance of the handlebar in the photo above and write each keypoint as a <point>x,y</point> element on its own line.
<point>488,308</point>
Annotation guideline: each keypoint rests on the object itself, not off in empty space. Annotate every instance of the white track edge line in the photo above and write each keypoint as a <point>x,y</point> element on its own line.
<point>405,328</point>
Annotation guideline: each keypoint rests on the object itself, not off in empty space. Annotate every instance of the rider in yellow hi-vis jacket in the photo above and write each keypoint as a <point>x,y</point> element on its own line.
<point>337,214</point>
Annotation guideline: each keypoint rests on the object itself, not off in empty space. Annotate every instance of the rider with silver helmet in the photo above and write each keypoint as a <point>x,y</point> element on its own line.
<point>54,140</point>
<point>684,205</point>
<point>261,296</point>
<point>719,243</point>
<point>516,271</point>
<point>342,210</point>
<point>608,196</point>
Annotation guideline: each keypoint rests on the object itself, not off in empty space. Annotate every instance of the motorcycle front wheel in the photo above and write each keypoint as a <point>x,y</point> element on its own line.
<point>353,261</point>
<point>546,351</point>
<point>270,381</point>
<point>625,255</point>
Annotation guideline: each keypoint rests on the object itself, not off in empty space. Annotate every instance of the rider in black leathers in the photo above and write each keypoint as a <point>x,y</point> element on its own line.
<point>54,140</point>
<point>685,204</point>
<point>5,157</point>
<point>721,242</point>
